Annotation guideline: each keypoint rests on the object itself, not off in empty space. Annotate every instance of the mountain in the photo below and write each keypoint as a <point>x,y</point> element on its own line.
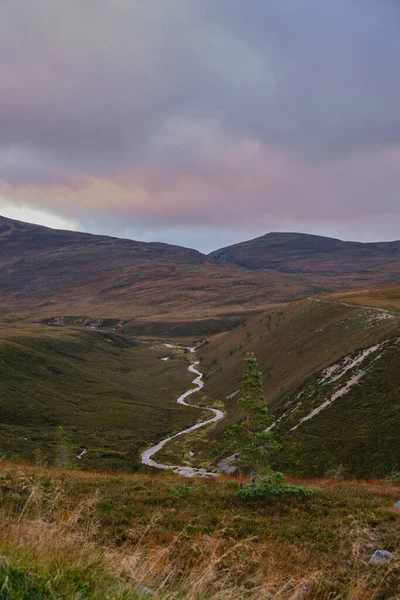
<point>48,273</point>
<point>329,262</point>
<point>331,368</point>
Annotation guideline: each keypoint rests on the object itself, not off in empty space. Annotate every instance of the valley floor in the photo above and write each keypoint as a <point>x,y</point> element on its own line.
<point>86,535</point>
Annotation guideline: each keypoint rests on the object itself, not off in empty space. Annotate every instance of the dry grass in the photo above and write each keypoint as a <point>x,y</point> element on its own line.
<point>107,536</point>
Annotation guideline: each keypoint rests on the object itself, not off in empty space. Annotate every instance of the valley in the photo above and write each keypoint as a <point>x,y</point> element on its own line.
<point>120,368</point>
<point>99,374</point>
<point>186,470</point>
<point>112,396</point>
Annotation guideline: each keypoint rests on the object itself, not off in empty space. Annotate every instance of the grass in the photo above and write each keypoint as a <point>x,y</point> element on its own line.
<point>91,535</point>
<point>112,396</point>
<point>293,345</point>
<point>358,432</point>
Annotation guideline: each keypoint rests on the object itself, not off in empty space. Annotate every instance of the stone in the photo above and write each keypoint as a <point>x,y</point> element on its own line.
<point>397,506</point>
<point>380,557</point>
<point>225,465</point>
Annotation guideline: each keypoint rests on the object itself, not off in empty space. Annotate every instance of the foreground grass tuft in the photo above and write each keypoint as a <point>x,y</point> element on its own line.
<point>70,534</point>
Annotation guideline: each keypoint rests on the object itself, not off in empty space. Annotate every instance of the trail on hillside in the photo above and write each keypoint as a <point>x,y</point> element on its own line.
<point>186,471</point>
<point>373,308</point>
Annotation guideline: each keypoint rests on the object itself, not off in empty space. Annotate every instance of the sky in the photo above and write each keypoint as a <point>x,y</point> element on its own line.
<point>202,122</point>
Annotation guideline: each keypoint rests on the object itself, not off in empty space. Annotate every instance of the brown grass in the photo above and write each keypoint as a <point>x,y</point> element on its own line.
<point>200,543</point>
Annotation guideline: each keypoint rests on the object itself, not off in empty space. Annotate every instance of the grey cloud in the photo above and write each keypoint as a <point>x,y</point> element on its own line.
<point>91,81</point>
<point>257,114</point>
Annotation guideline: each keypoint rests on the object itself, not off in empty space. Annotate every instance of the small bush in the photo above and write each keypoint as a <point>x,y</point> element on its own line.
<point>273,488</point>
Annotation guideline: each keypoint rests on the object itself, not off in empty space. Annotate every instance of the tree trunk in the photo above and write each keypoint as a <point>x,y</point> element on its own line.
<point>252,476</point>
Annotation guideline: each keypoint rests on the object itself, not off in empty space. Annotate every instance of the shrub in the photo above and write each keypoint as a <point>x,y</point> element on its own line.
<point>273,488</point>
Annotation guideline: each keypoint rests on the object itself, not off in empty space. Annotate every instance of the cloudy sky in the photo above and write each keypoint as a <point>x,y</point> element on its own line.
<point>202,122</point>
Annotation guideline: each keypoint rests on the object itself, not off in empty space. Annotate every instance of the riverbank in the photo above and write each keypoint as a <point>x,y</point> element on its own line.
<point>184,470</point>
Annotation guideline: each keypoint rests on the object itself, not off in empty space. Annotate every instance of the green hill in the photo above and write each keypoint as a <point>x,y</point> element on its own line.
<point>295,347</point>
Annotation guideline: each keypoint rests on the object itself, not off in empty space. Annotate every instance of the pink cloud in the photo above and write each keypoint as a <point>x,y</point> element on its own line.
<point>263,187</point>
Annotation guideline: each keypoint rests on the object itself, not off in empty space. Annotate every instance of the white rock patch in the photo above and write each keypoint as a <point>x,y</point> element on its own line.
<point>338,370</point>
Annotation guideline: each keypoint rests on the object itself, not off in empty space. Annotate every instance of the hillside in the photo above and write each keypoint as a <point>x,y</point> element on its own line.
<point>49,273</point>
<point>331,374</point>
<point>112,396</point>
<point>328,262</point>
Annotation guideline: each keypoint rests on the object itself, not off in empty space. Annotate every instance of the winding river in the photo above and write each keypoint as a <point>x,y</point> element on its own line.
<point>186,471</point>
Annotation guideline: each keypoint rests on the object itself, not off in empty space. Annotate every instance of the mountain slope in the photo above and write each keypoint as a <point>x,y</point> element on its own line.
<point>354,405</point>
<point>346,417</point>
<point>332,263</point>
<point>45,272</point>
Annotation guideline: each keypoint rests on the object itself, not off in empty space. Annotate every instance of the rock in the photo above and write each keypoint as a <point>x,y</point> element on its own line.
<point>397,506</point>
<point>225,465</point>
<point>380,557</point>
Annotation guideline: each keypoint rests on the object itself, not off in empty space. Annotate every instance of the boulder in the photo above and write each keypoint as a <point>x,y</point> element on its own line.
<point>380,557</point>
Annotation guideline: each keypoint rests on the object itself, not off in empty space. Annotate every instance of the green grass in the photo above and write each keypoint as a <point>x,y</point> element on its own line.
<point>358,432</point>
<point>28,581</point>
<point>112,396</point>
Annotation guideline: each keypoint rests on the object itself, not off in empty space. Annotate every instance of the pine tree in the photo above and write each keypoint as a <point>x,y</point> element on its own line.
<point>249,440</point>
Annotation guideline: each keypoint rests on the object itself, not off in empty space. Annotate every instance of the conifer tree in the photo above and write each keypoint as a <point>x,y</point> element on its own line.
<point>249,439</point>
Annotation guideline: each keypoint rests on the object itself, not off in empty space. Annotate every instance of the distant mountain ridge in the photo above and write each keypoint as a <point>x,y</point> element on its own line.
<point>46,273</point>
<point>18,237</point>
<point>331,262</point>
